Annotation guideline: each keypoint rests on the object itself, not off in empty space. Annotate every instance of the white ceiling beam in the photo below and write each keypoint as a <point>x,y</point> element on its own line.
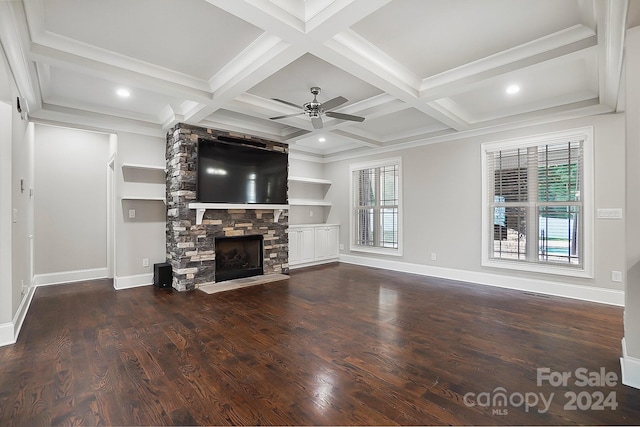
<point>290,133</point>
<point>252,57</point>
<point>106,71</point>
<point>340,15</point>
<point>47,45</point>
<point>99,109</point>
<point>242,82</point>
<point>56,114</point>
<point>263,14</point>
<point>282,43</point>
<point>362,140</point>
<point>14,40</point>
<point>611,18</point>
<point>340,55</point>
<point>230,125</point>
<point>558,115</point>
<point>409,134</point>
<point>543,49</point>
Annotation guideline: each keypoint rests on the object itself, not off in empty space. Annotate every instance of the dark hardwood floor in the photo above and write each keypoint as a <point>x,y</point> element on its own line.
<point>337,345</point>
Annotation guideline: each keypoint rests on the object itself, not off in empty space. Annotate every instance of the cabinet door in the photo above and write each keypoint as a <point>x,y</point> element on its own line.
<point>327,242</point>
<point>321,243</point>
<point>307,244</point>
<point>332,241</point>
<point>294,246</point>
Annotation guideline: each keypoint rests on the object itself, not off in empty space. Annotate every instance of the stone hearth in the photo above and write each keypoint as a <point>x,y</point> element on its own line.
<point>191,247</point>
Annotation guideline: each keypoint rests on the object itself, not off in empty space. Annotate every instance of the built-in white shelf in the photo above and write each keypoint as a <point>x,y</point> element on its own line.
<point>151,198</point>
<point>309,202</point>
<point>309,180</point>
<point>143,167</point>
<point>314,225</point>
<point>201,208</point>
<point>156,185</point>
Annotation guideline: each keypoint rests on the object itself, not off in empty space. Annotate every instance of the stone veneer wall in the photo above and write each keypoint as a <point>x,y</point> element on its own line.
<point>191,247</point>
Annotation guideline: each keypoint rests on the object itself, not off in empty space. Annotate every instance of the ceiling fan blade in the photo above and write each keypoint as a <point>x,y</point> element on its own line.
<point>287,102</point>
<point>316,122</point>
<point>333,103</point>
<point>285,116</point>
<point>343,116</point>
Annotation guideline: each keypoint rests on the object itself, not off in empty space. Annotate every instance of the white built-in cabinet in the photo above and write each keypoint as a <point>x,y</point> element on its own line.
<point>311,244</point>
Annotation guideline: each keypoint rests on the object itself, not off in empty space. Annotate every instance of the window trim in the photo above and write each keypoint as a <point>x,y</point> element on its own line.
<point>586,135</point>
<point>367,165</point>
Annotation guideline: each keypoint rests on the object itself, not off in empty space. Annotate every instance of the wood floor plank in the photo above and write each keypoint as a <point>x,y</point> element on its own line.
<point>333,345</point>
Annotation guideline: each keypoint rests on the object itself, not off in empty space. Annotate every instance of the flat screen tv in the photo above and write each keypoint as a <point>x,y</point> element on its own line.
<point>233,173</point>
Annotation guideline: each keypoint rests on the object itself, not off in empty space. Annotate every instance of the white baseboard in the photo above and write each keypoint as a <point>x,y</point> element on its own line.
<point>630,367</point>
<point>585,293</point>
<point>126,282</point>
<point>312,263</point>
<point>9,331</point>
<point>70,276</point>
<point>6,334</point>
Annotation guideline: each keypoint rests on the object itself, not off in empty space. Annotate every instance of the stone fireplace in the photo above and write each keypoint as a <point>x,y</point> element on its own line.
<point>193,233</point>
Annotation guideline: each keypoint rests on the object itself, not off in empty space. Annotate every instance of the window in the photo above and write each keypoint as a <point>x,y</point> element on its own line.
<point>375,195</point>
<point>537,198</point>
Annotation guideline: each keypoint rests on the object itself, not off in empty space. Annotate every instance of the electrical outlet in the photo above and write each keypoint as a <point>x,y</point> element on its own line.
<point>609,213</point>
<point>132,213</point>
<point>145,262</point>
<point>15,216</point>
<point>341,247</point>
<point>434,256</point>
<point>310,213</point>
<point>616,276</point>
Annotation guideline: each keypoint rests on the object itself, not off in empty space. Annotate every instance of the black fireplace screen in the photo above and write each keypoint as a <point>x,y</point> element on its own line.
<point>238,256</point>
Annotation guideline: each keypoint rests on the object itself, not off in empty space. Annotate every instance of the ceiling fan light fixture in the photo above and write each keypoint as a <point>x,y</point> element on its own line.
<point>315,110</point>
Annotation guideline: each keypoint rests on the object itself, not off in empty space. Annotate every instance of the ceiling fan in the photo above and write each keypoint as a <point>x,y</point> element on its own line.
<point>315,109</point>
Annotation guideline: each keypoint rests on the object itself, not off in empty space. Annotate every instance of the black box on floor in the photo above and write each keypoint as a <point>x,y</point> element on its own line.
<point>162,275</point>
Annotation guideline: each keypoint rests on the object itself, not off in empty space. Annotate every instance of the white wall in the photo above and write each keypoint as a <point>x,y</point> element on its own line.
<point>442,205</point>
<point>16,142</point>
<point>631,373</point>
<point>6,312</point>
<point>21,173</point>
<point>142,237</point>
<point>70,193</point>
<point>22,204</point>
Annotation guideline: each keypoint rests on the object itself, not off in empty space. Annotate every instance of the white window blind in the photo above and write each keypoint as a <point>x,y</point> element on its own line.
<point>376,206</point>
<point>535,201</point>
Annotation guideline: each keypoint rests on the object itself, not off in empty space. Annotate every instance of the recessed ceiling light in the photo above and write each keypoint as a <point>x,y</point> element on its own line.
<point>123,93</point>
<point>513,89</point>
<point>322,139</point>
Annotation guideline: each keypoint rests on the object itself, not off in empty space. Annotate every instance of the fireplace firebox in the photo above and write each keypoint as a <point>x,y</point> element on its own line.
<point>238,256</point>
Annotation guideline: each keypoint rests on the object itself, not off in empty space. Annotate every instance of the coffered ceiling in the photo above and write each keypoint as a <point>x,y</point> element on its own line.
<point>416,70</point>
